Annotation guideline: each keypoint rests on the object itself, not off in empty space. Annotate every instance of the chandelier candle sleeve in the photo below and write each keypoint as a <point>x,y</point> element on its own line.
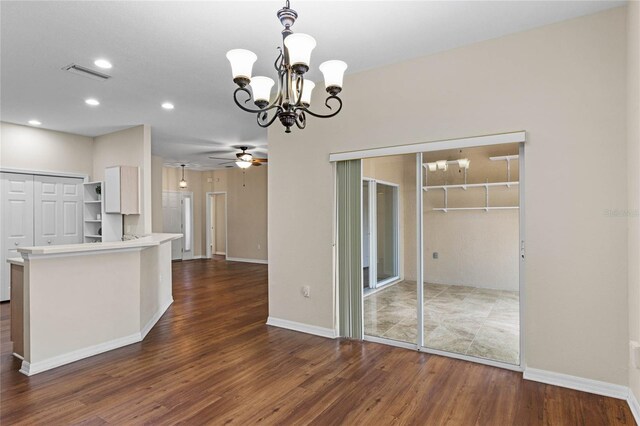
<point>333,72</point>
<point>241,65</point>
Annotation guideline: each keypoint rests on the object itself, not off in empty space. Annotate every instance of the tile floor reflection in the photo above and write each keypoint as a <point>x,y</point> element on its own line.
<point>466,320</point>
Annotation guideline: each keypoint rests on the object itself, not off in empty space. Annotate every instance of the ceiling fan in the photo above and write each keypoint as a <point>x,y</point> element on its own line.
<point>243,159</point>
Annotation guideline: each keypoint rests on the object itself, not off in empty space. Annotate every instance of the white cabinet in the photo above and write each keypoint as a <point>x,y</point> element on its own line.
<point>36,210</point>
<point>98,225</point>
<point>122,190</point>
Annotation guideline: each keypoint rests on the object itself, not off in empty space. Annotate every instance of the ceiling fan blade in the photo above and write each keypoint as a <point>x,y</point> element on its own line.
<point>260,160</point>
<point>255,164</point>
<point>219,158</point>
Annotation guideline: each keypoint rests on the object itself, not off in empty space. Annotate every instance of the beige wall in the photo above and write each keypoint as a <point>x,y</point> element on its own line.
<point>475,248</point>
<point>156,193</point>
<point>565,85</point>
<point>130,147</point>
<point>246,207</point>
<point>633,158</point>
<point>29,148</point>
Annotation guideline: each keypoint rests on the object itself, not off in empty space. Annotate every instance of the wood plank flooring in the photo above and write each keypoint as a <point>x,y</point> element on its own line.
<point>212,360</point>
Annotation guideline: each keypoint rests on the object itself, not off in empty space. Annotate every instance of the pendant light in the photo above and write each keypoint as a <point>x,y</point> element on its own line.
<point>292,100</point>
<point>183,183</point>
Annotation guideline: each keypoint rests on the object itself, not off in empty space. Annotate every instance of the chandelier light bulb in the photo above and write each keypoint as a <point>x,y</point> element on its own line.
<point>261,88</point>
<point>299,47</point>
<point>242,61</point>
<point>243,164</point>
<point>333,72</point>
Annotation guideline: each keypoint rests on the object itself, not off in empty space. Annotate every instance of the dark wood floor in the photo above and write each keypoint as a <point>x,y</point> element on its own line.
<point>212,360</point>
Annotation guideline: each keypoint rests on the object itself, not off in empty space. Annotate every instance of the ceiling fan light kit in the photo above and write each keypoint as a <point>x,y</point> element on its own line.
<point>244,159</point>
<point>293,97</point>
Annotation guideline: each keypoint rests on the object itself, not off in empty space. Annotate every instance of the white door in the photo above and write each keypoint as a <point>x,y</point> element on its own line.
<point>16,221</point>
<point>58,210</point>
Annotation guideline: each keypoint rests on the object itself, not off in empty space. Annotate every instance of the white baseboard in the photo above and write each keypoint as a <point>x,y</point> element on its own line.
<point>242,259</point>
<point>154,319</point>
<point>30,369</point>
<point>304,328</point>
<point>634,406</point>
<point>578,383</point>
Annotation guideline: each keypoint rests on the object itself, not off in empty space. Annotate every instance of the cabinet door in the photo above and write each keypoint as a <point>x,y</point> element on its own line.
<point>58,210</point>
<point>16,221</point>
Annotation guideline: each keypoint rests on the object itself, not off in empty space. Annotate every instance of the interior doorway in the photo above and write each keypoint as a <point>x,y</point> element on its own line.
<point>461,247</point>
<point>177,215</point>
<point>380,234</point>
<point>216,224</point>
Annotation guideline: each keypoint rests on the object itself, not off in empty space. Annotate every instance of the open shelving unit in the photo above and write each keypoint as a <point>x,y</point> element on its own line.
<point>99,226</point>
<point>486,185</point>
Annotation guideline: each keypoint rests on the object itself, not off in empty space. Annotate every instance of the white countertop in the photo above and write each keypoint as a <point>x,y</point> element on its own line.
<point>147,241</point>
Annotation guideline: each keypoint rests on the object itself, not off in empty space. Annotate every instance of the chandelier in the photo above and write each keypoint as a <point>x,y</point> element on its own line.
<point>293,97</point>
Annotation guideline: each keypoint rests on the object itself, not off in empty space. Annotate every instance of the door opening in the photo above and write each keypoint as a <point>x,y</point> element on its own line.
<point>461,248</point>
<point>177,213</point>
<point>216,224</point>
<point>380,234</point>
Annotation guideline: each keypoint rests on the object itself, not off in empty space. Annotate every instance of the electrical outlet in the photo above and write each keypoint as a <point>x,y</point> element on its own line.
<point>306,291</point>
<point>209,180</point>
<point>259,246</point>
<point>435,254</point>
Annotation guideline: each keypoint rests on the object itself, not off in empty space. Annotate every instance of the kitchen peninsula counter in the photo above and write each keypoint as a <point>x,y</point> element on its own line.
<point>79,300</point>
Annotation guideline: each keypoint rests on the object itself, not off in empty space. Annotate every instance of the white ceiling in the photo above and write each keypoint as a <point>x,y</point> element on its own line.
<point>175,51</point>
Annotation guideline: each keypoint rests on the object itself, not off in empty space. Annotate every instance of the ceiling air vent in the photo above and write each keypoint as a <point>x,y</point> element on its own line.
<point>86,72</point>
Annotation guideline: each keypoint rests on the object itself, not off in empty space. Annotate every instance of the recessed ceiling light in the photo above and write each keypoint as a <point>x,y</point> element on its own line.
<point>167,105</point>
<point>92,102</point>
<point>102,63</point>
<point>34,122</point>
